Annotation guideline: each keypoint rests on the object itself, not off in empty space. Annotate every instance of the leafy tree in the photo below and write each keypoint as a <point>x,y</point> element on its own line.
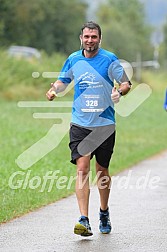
<point>124,29</point>
<point>165,33</point>
<point>51,25</point>
<point>165,41</point>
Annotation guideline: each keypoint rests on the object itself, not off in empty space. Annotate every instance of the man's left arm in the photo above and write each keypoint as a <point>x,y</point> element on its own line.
<point>124,88</point>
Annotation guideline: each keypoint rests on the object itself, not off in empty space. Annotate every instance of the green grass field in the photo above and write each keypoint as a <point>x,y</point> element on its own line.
<point>139,136</point>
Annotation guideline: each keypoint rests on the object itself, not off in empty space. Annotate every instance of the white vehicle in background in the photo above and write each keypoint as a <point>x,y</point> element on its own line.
<point>24,52</point>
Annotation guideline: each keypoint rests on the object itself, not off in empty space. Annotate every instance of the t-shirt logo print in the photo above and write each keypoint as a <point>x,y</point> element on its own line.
<point>88,78</point>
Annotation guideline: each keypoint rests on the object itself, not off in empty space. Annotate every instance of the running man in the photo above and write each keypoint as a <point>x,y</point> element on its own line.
<point>92,131</point>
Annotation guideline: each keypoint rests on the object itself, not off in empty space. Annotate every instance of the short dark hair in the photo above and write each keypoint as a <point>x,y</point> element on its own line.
<point>92,25</point>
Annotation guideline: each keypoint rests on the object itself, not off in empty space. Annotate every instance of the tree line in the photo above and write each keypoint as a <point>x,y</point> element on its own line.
<point>125,29</point>
<point>51,25</point>
<point>54,25</point>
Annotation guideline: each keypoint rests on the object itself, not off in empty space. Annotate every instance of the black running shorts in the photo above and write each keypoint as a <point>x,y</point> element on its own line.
<point>98,142</point>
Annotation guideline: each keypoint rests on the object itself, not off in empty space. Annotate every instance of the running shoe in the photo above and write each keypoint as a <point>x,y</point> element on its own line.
<point>105,224</point>
<point>83,227</point>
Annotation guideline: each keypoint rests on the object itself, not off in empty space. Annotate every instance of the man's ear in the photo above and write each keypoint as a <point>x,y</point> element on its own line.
<point>100,40</point>
<point>80,37</point>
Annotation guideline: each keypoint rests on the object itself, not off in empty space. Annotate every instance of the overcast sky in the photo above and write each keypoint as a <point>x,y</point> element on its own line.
<point>156,11</point>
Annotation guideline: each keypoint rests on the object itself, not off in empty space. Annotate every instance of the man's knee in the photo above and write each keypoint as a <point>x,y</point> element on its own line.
<point>101,170</point>
<point>83,166</point>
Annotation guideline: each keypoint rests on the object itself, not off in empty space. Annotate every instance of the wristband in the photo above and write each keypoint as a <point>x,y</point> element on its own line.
<point>120,92</point>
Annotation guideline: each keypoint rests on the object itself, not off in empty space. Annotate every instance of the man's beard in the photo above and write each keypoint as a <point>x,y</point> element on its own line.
<point>92,49</point>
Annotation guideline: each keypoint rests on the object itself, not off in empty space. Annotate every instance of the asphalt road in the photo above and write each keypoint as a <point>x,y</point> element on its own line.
<point>138,209</point>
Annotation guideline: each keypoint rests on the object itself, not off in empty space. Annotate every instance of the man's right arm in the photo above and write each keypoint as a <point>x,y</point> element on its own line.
<point>56,87</point>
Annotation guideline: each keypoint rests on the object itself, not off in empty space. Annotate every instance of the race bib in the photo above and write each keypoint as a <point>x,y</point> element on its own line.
<point>92,103</point>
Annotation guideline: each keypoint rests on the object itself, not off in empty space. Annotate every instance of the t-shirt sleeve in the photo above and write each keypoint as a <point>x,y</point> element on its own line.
<point>66,75</point>
<point>116,71</point>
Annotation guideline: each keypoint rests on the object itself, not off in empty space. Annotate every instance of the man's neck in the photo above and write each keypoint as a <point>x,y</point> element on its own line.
<point>90,54</point>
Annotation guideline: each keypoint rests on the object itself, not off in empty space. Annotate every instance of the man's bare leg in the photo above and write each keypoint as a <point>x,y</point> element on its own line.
<point>82,192</point>
<point>82,184</point>
<point>103,183</point>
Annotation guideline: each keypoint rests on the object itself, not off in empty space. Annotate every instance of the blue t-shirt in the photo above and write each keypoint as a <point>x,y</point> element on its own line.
<point>93,83</point>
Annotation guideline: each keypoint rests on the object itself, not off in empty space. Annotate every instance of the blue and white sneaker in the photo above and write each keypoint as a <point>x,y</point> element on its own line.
<point>105,224</point>
<point>83,227</point>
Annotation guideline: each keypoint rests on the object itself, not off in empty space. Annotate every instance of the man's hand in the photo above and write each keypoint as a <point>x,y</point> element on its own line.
<point>115,96</point>
<point>51,94</point>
